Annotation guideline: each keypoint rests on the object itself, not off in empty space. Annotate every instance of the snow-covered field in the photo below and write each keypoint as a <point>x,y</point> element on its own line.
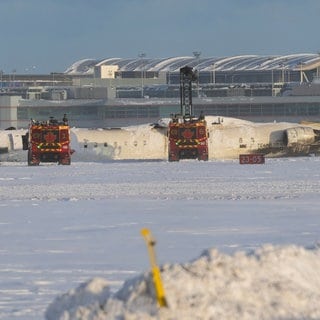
<point>64,225</point>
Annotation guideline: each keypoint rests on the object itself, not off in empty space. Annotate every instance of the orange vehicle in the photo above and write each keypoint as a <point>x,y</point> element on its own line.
<point>188,135</point>
<point>48,141</point>
<point>188,140</point>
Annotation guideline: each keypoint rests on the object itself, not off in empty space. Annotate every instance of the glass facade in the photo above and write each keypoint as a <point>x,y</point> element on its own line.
<point>109,115</point>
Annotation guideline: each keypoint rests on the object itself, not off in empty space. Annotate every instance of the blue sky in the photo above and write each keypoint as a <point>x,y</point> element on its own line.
<point>43,36</point>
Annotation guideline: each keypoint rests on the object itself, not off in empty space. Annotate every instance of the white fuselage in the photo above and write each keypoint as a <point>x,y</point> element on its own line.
<point>228,138</point>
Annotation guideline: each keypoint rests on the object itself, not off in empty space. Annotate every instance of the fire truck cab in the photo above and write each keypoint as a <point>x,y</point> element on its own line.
<point>188,139</point>
<point>48,141</point>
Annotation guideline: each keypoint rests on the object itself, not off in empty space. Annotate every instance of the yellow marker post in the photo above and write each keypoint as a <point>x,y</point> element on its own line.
<point>150,241</point>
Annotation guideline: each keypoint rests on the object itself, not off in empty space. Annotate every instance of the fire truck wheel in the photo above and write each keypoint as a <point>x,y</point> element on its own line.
<point>173,159</point>
<point>203,158</point>
<point>65,160</point>
<point>32,161</point>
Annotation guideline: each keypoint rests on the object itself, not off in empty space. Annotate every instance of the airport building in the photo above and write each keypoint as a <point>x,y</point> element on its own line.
<point>116,91</point>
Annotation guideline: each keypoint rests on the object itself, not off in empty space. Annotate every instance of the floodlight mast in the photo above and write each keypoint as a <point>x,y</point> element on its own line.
<point>187,76</point>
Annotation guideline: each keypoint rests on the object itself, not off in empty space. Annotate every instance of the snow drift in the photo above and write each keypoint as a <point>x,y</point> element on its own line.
<point>273,282</point>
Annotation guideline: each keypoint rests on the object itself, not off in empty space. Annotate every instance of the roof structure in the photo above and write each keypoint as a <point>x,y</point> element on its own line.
<point>302,61</point>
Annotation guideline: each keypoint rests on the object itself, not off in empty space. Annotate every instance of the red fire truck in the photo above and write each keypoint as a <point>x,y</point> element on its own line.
<point>187,134</point>
<point>48,141</point>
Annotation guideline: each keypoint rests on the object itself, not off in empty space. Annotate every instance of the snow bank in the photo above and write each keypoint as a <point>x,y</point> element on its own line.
<point>274,282</point>
<point>88,295</point>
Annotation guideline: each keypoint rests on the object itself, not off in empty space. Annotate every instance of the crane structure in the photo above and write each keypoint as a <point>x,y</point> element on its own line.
<point>187,134</point>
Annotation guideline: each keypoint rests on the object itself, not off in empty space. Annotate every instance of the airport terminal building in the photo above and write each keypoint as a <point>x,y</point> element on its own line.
<point>116,91</point>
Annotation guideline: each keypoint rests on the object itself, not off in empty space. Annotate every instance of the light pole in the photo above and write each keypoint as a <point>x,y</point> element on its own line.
<point>301,72</point>
<point>13,77</point>
<point>214,73</point>
<point>272,81</point>
<point>142,55</point>
<point>197,55</point>
<point>1,74</point>
<point>281,65</point>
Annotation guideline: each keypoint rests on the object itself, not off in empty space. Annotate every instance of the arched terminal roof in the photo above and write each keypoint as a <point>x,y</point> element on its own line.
<point>304,61</point>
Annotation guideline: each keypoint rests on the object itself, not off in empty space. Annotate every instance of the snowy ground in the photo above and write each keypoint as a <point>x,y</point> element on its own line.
<point>63,225</point>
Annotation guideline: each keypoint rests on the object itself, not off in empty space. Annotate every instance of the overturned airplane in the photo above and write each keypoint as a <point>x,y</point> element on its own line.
<point>227,139</point>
